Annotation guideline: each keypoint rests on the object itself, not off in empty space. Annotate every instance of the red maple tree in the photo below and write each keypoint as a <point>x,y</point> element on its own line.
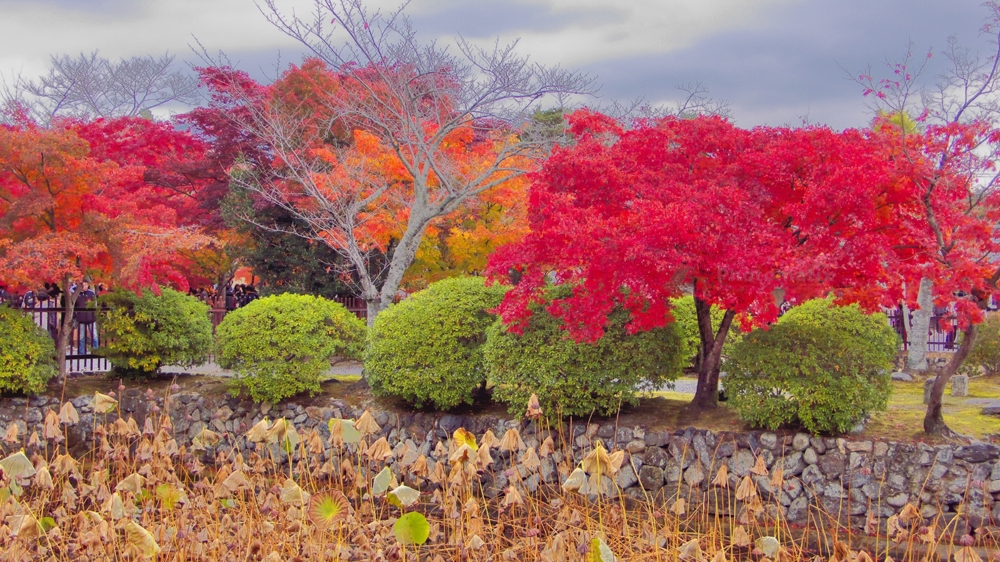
<point>636,217</point>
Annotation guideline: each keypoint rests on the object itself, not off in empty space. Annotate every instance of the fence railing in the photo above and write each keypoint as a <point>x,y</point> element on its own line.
<point>941,332</point>
<point>86,337</point>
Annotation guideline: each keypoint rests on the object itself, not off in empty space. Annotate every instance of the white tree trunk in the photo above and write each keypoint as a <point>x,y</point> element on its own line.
<point>916,351</point>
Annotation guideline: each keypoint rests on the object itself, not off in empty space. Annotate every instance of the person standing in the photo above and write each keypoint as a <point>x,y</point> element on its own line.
<point>86,319</point>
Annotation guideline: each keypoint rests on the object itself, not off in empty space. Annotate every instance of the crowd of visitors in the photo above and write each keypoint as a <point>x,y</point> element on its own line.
<point>233,297</point>
<point>86,336</point>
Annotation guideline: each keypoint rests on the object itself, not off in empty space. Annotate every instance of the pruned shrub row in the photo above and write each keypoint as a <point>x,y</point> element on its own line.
<point>821,367</point>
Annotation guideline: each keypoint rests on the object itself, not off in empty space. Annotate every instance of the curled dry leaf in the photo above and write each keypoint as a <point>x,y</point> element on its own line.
<point>383,481</point>
<point>511,441</point>
<point>258,433</point>
<point>43,479</point>
<point>967,554</point>
<point>759,468</point>
<point>741,538</point>
<point>17,465</point>
<point>512,497</point>
<point>206,438</point>
<point>464,437</point>
<point>576,480</point>
<point>529,460</point>
<point>778,478</point>
<point>597,461</point>
<point>721,477</point>
<point>679,507</point>
<point>691,550</point>
<point>68,414</point>
<point>746,489</point>
<point>293,494</point>
<point>461,455</point>
<point>141,539</point>
<point>236,481</point>
<point>366,424</point>
<point>403,496</point>
<point>909,513</point>
<point>475,543</point>
<point>24,525</point>
<point>483,457</point>
<point>64,464</point>
<point>11,435</point>
<point>547,447</point>
<point>534,410</point>
<point>616,459</point>
<point>104,404</point>
<point>132,483</point>
<point>52,429</point>
<point>489,439</point>
<point>379,450</point>
<point>769,545</point>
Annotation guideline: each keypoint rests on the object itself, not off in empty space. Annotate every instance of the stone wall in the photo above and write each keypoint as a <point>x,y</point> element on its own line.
<point>845,477</point>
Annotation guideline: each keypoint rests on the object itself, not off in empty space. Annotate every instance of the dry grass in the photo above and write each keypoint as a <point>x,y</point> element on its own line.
<point>137,495</point>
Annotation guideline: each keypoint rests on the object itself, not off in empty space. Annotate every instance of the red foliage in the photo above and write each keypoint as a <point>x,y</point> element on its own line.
<point>637,217</point>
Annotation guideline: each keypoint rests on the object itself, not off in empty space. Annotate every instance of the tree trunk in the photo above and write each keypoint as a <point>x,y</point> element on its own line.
<point>707,394</point>
<point>373,308</point>
<point>916,348</point>
<point>933,420</point>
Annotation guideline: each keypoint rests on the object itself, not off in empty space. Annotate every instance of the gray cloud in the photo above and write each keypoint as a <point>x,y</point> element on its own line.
<point>792,66</point>
<point>775,64</point>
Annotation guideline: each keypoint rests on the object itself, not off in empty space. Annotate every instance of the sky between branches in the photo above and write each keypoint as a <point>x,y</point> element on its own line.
<point>776,61</point>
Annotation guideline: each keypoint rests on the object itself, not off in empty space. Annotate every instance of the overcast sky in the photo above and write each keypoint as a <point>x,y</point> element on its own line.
<point>775,61</point>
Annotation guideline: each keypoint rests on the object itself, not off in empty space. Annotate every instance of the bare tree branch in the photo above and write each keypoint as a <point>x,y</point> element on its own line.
<point>91,86</point>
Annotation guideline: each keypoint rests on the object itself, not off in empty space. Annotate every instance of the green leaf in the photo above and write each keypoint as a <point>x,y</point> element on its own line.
<point>599,551</point>
<point>47,524</point>
<point>412,528</point>
<point>382,481</point>
<point>228,503</point>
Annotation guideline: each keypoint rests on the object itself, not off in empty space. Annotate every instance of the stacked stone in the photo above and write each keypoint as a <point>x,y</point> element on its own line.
<point>839,476</point>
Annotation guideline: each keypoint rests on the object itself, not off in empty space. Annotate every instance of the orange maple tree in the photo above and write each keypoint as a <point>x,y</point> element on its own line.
<point>406,189</point>
<point>66,214</point>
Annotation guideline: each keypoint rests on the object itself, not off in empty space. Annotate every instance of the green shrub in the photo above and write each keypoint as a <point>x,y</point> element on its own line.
<point>686,319</point>
<point>427,349</point>
<point>142,332</point>
<point>279,346</point>
<point>27,354</point>
<point>986,351</point>
<point>577,379</point>
<point>822,366</point>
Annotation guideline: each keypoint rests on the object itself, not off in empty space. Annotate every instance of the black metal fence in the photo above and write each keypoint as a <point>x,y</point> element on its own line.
<point>941,332</point>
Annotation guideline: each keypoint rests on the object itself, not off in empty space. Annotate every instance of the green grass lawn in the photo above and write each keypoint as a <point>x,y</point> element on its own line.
<point>902,421</point>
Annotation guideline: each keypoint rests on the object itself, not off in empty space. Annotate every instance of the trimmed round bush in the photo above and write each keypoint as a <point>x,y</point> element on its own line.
<point>142,332</point>
<point>27,354</point>
<point>822,366</point>
<point>427,349</point>
<point>985,352</point>
<point>577,379</point>
<point>279,346</point>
